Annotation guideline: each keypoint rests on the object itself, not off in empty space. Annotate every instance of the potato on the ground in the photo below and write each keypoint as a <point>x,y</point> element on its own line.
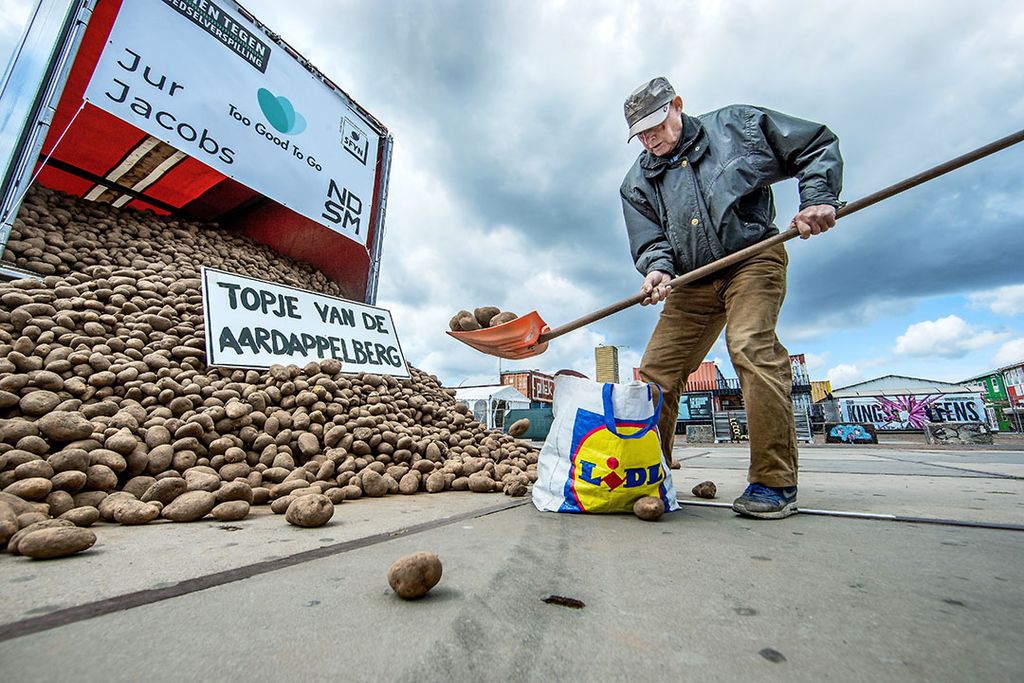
<point>413,575</point>
<point>45,544</point>
<point>649,508</point>
<point>230,511</point>
<point>705,489</point>
<point>310,511</point>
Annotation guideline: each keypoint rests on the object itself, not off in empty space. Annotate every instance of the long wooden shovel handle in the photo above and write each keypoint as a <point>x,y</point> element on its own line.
<point>743,254</point>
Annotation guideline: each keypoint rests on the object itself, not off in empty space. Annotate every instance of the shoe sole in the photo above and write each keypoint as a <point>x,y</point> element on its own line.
<point>789,509</point>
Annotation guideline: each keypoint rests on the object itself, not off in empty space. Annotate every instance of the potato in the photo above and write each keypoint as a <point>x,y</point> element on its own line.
<point>29,518</point>
<point>280,505</point>
<point>12,543</point>
<point>515,488</point>
<point>454,322</point>
<point>310,511</point>
<point>190,506</point>
<point>82,516</point>
<point>502,318</point>
<point>33,488</point>
<point>231,511</point>
<point>705,489</point>
<point>45,544</point>
<point>414,575</point>
<point>410,483</point>
<point>480,482</point>
<point>131,512</point>
<point>69,480</point>
<point>519,427</point>
<point>8,523</point>
<point>137,486</point>
<point>64,426</point>
<point>649,508</point>
<point>484,314</point>
<point>164,490</point>
<point>110,503</point>
<point>436,482</point>
<point>374,485</point>
<point>59,502</point>
<point>468,323</point>
<point>198,480</point>
<point>352,492</point>
<point>234,490</point>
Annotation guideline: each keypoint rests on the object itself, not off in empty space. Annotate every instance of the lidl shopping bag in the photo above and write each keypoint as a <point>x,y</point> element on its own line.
<point>603,451</point>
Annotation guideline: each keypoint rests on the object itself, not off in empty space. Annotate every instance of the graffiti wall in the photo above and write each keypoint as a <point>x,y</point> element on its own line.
<point>912,412</point>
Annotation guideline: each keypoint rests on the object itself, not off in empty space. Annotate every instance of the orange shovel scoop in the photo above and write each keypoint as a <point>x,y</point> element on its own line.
<point>529,335</point>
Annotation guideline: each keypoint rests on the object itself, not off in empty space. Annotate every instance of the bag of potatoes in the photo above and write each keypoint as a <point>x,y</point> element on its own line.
<point>603,451</point>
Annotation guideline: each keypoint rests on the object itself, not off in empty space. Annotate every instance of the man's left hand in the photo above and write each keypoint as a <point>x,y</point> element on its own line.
<point>814,220</point>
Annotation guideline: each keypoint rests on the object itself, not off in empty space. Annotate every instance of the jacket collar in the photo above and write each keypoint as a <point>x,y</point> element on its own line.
<point>692,145</point>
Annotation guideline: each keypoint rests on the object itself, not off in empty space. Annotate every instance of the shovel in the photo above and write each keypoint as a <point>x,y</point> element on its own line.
<point>529,335</point>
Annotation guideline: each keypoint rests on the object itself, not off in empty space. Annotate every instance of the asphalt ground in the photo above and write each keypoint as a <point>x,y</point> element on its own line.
<point>700,595</point>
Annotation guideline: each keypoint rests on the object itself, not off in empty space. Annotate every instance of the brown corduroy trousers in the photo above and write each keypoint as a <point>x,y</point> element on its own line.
<point>745,299</point>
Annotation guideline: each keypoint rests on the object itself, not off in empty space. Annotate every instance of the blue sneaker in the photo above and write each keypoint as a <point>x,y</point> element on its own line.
<point>766,502</point>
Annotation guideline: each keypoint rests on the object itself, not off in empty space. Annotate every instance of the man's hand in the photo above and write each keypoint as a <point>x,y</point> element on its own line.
<point>655,287</point>
<point>814,220</point>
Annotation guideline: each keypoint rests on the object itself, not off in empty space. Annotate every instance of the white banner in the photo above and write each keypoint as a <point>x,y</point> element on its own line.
<point>912,412</point>
<point>200,77</point>
<point>255,324</point>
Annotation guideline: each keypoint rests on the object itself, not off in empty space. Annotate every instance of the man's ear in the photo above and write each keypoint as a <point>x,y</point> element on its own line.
<point>677,104</point>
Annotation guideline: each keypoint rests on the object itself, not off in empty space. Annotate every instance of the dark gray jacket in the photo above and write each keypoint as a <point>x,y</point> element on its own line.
<point>711,196</point>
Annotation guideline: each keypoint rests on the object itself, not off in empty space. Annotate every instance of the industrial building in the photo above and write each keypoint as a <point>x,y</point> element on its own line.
<point>536,386</point>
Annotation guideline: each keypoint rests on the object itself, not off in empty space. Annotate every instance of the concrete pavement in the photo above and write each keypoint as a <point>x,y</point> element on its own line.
<point>701,595</point>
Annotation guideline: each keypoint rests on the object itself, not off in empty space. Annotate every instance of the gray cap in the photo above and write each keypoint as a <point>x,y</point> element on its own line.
<point>648,105</point>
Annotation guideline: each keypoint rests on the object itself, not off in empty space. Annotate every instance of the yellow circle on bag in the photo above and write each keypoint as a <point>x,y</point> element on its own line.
<point>609,473</point>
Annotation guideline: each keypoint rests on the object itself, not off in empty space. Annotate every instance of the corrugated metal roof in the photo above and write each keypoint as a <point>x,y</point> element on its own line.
<point>899,384</point>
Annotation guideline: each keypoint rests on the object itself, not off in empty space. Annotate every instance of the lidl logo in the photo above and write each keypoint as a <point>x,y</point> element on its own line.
<point>635,476</point>
<point>607,472</point>
<point>280,113</point>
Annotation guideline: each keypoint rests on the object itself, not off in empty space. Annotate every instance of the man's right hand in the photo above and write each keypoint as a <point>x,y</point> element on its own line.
<point>656,287</point>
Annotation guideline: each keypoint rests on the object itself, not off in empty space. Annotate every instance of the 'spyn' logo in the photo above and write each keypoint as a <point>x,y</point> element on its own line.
<point>280,113</point>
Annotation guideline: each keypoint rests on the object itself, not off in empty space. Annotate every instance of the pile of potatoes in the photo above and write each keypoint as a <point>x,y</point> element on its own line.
<point>485,316</point>
<point>108,411</point>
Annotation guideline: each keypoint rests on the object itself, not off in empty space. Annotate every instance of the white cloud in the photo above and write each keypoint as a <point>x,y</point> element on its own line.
<point>816,361</point>
<point>1007,301</point>
<point>1009,353</point>
<point>949,337</point>
<point>844,374</point>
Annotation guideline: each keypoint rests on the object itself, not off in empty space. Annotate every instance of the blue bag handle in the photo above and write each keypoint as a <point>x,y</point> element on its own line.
<point>609,414</point>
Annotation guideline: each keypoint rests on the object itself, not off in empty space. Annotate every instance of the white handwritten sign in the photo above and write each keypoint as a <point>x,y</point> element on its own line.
<point>255,324</point>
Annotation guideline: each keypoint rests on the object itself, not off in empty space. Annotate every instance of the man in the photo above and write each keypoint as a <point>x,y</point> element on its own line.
<point>699,191</point>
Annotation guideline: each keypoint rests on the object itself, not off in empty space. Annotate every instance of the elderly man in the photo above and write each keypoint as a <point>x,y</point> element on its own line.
<point>701,190</point>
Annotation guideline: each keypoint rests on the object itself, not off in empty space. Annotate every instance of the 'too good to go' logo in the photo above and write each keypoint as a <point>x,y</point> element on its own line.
<point>280,113</point>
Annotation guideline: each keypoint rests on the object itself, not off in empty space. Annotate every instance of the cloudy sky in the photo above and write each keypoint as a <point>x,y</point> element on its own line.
<point>509,151</point>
